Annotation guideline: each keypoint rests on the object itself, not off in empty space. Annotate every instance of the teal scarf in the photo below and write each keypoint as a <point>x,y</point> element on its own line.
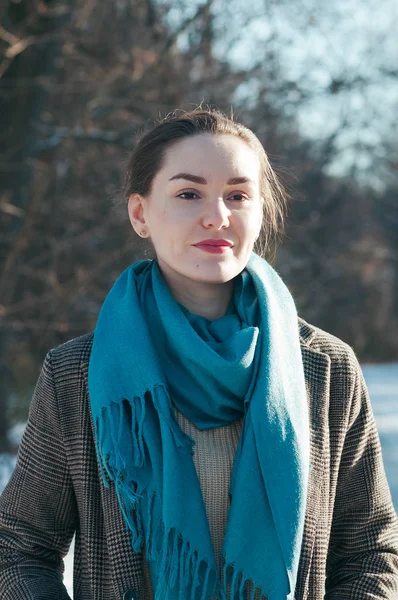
<point>149,350</point>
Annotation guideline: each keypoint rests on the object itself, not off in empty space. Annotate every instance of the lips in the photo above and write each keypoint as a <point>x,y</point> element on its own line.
<point>215,243</point>
<point>214,246</point>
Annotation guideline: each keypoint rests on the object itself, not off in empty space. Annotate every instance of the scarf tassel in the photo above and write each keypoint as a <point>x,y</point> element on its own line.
<point>235,586</point>
<point>179,564</point>
<point>111,421</point>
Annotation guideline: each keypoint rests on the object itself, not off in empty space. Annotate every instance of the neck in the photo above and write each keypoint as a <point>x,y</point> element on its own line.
<point>209,300</point>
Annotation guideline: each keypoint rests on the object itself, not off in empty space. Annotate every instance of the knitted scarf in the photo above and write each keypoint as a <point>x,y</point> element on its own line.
<point>149,351</point>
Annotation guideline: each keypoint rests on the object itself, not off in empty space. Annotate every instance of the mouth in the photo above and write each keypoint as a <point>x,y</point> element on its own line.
<point>214,246</point>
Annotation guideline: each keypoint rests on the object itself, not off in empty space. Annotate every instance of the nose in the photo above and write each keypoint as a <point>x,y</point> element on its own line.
<point>216,215</point>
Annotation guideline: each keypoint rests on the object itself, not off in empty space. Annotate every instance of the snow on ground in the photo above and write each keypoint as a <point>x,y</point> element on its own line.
<point>382,382</point>
<point>68,576</point>
<point>7,464</point>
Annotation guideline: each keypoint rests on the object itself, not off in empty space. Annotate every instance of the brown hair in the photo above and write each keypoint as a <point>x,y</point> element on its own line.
<point>148,155</point>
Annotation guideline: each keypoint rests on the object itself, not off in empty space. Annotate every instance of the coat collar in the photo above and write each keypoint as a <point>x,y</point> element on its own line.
<point>307,332</point>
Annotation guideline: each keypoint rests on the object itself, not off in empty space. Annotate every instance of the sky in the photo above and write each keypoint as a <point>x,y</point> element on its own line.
<point>339,58</point>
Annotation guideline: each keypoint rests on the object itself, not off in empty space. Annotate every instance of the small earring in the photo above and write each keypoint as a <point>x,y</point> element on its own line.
<point>142,233</point>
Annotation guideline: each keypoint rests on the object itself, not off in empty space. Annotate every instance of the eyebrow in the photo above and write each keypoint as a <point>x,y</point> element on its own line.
<point>202,180</point>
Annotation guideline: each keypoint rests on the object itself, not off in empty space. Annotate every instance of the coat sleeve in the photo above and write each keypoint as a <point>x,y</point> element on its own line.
<point>38,513</point>
<point>363,552</point>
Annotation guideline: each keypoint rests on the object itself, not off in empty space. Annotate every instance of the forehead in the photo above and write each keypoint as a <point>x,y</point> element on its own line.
<point>214,155</point>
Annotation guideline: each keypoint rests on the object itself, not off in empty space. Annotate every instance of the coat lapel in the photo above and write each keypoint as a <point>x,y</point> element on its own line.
<point>126,565</point>
<point>317,377</point>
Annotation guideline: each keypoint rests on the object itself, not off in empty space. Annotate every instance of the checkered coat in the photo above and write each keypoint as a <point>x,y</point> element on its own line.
<point>350,545</point>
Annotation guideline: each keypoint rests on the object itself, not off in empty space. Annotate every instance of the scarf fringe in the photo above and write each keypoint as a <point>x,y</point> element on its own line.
<point>179,563</point>
<point>236,586</point>
<point>111,420</point>
<point>181,567</point>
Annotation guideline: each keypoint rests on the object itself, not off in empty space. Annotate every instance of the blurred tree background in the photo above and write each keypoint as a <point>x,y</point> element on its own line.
<point>79,79</point>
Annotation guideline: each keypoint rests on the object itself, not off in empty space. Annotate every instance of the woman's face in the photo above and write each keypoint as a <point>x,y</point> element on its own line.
<point>204,211</point>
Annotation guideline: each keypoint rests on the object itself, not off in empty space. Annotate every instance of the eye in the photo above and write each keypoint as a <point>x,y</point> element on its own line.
<point>188,195</point>
<point>238,197</point>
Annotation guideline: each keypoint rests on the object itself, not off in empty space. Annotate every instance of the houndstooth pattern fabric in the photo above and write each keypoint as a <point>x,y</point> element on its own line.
<point>350,543</point>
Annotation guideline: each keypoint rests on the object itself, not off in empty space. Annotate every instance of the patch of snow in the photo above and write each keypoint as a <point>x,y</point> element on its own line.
<point>382,383</point>
<point>68,574</point>
<point>15,434</point>
<point>7,464</point>
<point>387,424</point>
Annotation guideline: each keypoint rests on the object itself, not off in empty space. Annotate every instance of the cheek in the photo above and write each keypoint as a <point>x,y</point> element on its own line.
<point>258,221</point>
<point>162,227</point>
<point>251,224</point>
<point>169,216</point>
<point>168,231</point>
<point>176,224</point>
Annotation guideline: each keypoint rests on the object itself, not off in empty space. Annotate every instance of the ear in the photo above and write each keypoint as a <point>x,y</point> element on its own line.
<point>137,213</point>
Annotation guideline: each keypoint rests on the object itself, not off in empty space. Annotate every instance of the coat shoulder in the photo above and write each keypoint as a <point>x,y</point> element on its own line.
<point>67,366</point>
<point>340,353</point>
<point>72,354</point>
<point>330,360</point>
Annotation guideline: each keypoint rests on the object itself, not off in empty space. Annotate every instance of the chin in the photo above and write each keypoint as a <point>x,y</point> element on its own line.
<point>216,273</point>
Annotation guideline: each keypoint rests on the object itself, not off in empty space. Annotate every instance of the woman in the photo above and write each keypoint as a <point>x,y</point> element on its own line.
<point>203,442</point>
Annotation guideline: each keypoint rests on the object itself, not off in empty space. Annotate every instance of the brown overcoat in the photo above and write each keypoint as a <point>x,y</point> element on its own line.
<point>350,544</point>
